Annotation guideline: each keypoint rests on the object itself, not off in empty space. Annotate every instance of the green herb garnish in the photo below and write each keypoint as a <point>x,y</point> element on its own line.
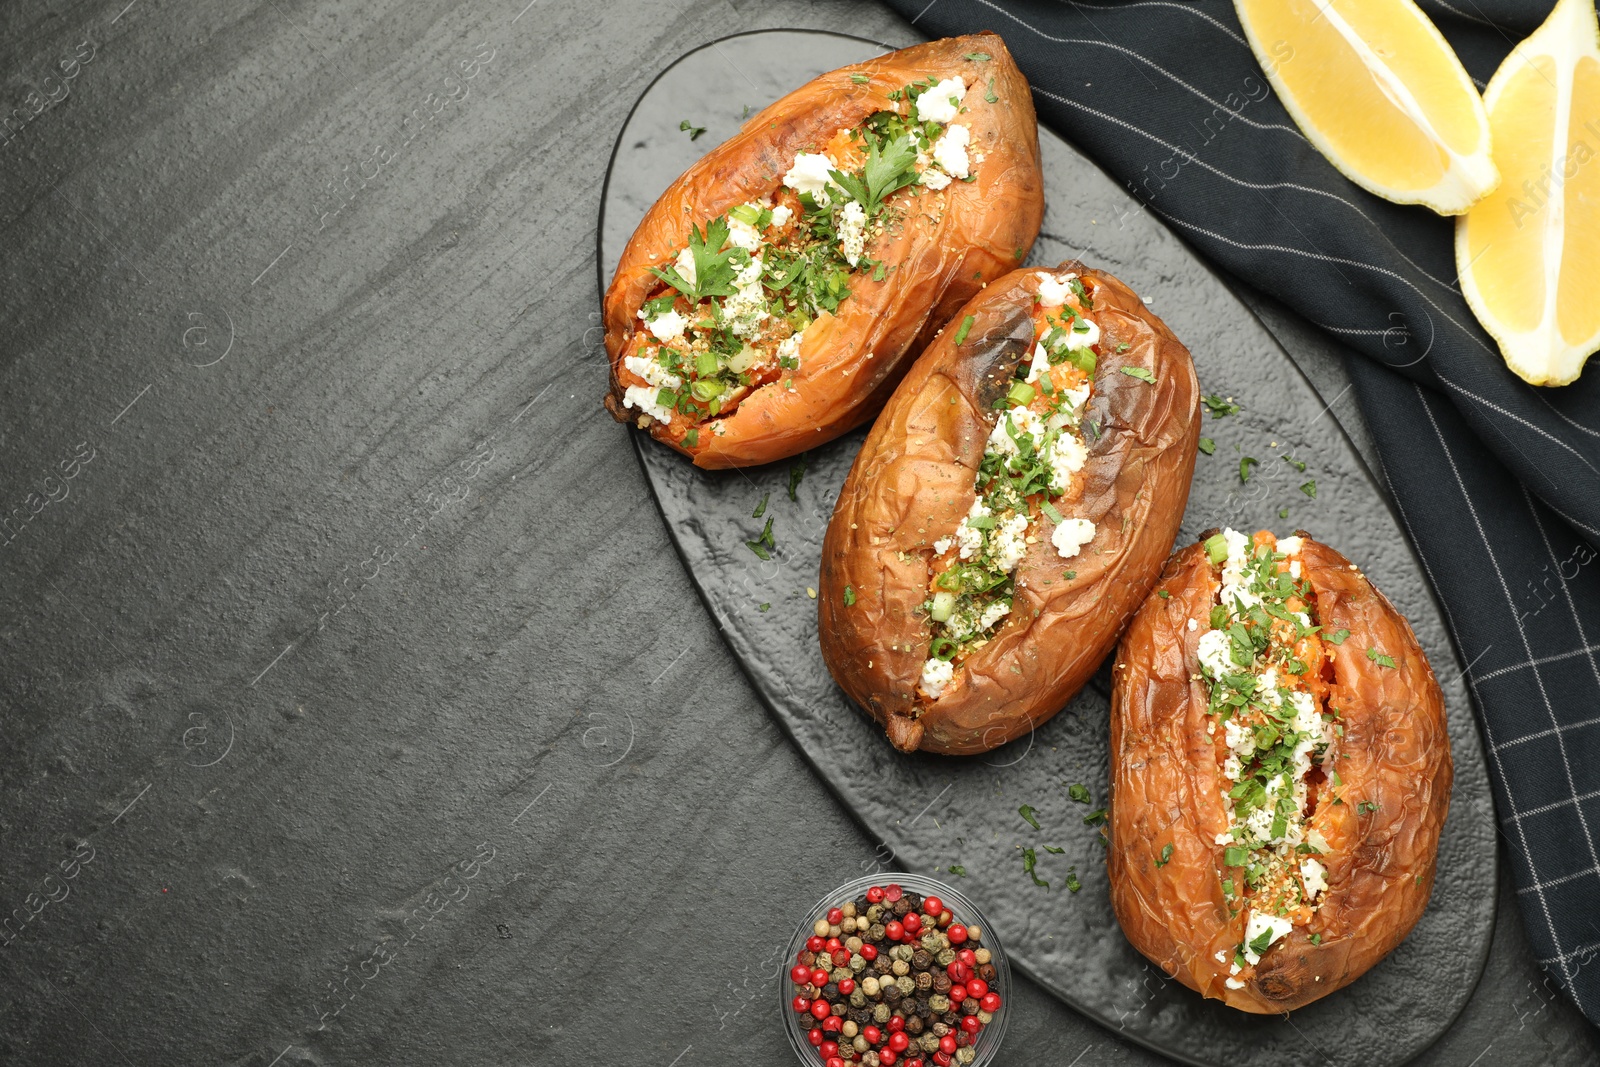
<point>691,129</point>
<point>1026,811</point>
<point>1139,373</point>
<point>963,329</point>
<point>1219,407</point>
<point>1208,446</point>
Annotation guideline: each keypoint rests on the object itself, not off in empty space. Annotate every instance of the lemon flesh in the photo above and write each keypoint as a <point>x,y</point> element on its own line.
<point>1379,92</point>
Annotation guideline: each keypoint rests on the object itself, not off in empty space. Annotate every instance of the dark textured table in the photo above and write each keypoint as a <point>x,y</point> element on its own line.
<point>353,707</point>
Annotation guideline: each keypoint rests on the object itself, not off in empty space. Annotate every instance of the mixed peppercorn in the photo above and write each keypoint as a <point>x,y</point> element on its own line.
<point>890,978</point>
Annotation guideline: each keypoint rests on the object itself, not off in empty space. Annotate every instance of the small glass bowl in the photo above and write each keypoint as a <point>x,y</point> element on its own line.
<point>963,911</point>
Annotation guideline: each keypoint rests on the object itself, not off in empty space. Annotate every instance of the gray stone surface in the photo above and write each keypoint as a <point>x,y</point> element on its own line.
<point>354,708</point>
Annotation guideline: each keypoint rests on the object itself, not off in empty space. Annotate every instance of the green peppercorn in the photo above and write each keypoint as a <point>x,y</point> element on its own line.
<point>946,956</point>
<point>906,985</point>
<point>874,913</point>
<point>880,1013</point>
<point>929,1042</point>
<point>900,967</point>
<point>939,1003</point>
<point>901,952</point>
<point>875,932</point>
<point>931,942</point>
<point>853,944</point>
<point>985,1017</point>
<point>858,999</point>
<point>966,1055</point>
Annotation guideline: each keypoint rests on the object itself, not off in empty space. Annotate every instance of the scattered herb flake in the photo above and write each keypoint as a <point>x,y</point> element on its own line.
<point>765,607</point>
<point>1026,811</point>
<point>1315,939</point>
<point>1073,885</point>
<point>1078,792</point>
<point>761,508</point>
<point>963,329</point>
<point>1283,512</point>
<point>1139,373</point>
<point>1262,942</point>
<point>860,79</point>
<point>1375,654</point>
<point>1163,594</point>
<point>978,57</point>
<point>762,545</point>
<point>958,870</point>
<point>1166,855</point>
<point>1244,467</point>
<point>1208,446</point>
<point>1336,637</point>
<point>1054,851</point>
<point>1219,407</point>
<point>1095,817</point>
<point>796,472</point>
<point>849,597</point>
<point>1366,806</point>
<point>1071,575</point>
<point>691,129</point>
<point>1029,861</point>
<point>988,95</point>
<point>1310,489</point>
<point>1297,464</point>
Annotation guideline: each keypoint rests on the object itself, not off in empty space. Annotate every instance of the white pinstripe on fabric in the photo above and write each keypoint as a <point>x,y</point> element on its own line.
<point>1497,672</point>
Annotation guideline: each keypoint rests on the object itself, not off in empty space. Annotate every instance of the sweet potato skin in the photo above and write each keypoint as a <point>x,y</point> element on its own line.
<point>1167,788</point>
<point>850,362</point>
<point>914,479</point>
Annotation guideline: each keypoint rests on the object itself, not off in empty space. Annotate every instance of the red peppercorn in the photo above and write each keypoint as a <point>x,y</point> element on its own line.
<point>841,957</point>
<point>847,986</point>
<point>835,916</point>
<point>942,1059</point>
<point>869,952</point>
<point>872,1034</point>
<point>912,923</point>
<point>893,893</point>
<point>888,1057</point>
<point>957,934</point>
<point>898,1041</point>
<point>977,987</point>
<point>832,1024</point>
<point>832,943</point>
<point>970,1024</point>
<point>820,1009</point>
<point>834,1062</point>
<point>989,1002</point>
<point>915,1063</point>
<point>967,956</point>
<point>814,943</point>
<point>815,1037</point>
<point>828,1049</point>
<point>947,1044</point>
<point>800,975</point>
<point>801,1004</point>
<point>958,993</point>
<point>875,895</point>
<point>894,931</point>
<point>896,1024</point>
<point>933,906</point>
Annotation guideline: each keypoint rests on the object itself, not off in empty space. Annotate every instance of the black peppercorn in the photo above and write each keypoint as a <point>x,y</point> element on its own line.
<point>891,992</point>
<point>922,1006</point>
<point>882,964</point>
<point>921,960</point>
<point>924,981</point>
<point>941,982</point>
<point>807,958</point>
<point>860,1016</point>
<point>830,991</point>
<point>914,1025</point>
<point>970,1006</point>
<point>901,907</point>
<point>986,971</point>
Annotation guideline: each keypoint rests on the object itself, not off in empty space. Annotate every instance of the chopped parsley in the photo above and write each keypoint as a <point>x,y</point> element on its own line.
<point>1310,488</point>
<point>1026,811</point>
<point>691,129</point>
<point>958,870</point>
<point>761,508</point>
<point>1219,407</point>
<point>988,95</point>
<point>1298,465</point>
<point>765,607</point>
<point>1244,467</point>
<point>1166,855</point>
<point>1029,861</point>
<point>1140,373</point>
<point>1072,883</point>
<point>978,57</point>
<point>763,546</point>
<point>796,473</point>
<point>1208,446</point>
<point>860,79</point>
<point>1095,817</point>
<point>1336,637</point>
<point>849,597</point>
<point>1078,792</point>
<point>1376,655</point>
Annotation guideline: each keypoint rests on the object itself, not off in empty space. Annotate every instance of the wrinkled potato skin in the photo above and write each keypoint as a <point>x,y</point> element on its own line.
<point>934,266</point>
<point>914,479</point>
<point>1167,788</point>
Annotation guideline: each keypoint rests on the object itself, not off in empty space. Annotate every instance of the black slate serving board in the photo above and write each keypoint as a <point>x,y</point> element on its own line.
<point>932,813</point>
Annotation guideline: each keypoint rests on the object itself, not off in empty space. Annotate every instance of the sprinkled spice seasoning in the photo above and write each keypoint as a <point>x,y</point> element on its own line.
<point>891,979</point>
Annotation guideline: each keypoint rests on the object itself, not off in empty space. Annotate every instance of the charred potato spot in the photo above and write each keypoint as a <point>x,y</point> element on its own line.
<point>1363,800</point>
<point>984,461</point>
<point>769,301</point>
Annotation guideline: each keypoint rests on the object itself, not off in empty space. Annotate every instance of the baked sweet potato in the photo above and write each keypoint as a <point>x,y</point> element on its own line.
<point>771,299</point>
<point>1280,773</point>
<point>1009,510</point>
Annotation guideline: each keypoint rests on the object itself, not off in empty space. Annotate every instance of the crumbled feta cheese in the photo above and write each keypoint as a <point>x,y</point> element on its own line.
<point>1216,654</point>
<point>1233,983</point>
<point>971,540</point>
<point>1053,291</point>
<point>652,371</point>
<point>1314,876</point>
<point>1274,926</point>
<point>1232,769</point>
<point>936,674</point>
<point>789,350</point>
<point>1067,457</point>
<point>810,175</point>
<point>747,307</point>
<point>643,397</point>
<point>852,232</point>
<point>1240,739</point>
<point>780,215</point>
<point>934,178</point>
<point>941,546</point>
<point>1071,535</point>
<point>743,235</point>
<point>1317,841</point>
<point>1223,839</point>
<point>1039,365</point>
<point>994,613</point>
<point>1193,625</point>
<point>941,103</point>
<point>685,265</point>
<point>1290,546</point>
<point>1221,956</point>
<point>1084,334</point>
<point>667,326</point>
<point>1023,421</point>
<point>950,151</point>
<point>1008,542</point>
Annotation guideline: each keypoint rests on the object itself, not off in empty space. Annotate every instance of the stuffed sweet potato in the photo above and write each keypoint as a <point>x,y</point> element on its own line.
<point>1009,510</point>
<point>769,301</point>
<point>1280,773</point>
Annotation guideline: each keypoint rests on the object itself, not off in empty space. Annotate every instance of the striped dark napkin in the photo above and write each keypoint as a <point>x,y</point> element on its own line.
<point>1498,481</point>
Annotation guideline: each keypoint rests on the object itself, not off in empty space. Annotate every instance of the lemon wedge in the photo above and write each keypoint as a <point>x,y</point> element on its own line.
<point>1377,90</point>
<point>1529,253</point>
